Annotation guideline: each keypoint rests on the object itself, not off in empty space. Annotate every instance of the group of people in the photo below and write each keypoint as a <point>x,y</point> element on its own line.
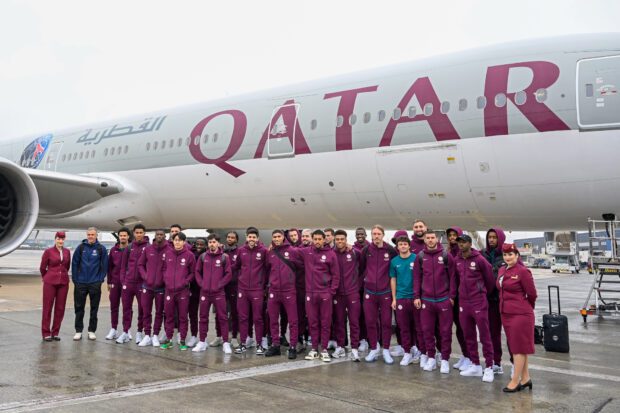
<point>316,284</point>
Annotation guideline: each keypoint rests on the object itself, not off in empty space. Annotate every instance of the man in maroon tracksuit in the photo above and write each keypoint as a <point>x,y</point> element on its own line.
<point>115,265</point>
<point>178,270</point>
<point>250,264</point>
<point>213,273</point>
<point>322,279</point>
<point>434,290</point>
<point>282,265</point>
<point>464,362</point>
<point>200,246</point>
<point>358,245</point>
<point>150,265</point>
<point>347,302</point>
<point>475,281</point>
<point>375,266</point>
<point>417,239</point>
<point>132,283</point>
<point>231,290</point>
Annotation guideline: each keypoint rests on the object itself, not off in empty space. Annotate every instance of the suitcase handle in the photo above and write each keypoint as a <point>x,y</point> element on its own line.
<point>549,287</point>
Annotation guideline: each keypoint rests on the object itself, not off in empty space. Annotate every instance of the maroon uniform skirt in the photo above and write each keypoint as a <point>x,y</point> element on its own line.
<point>519,330</point>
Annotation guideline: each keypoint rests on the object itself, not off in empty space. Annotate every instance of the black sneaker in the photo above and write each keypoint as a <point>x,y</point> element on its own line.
<point>260,350</point>
<point>241,349</point>
<point>269,341</point>
<point>284,341</point>
<point>55,338</point>
<point>272,351</point>
<point>48,338</point>
<point>292,353</point>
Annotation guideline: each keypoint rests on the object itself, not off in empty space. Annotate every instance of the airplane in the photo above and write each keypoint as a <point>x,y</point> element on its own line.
<point>522,135</point>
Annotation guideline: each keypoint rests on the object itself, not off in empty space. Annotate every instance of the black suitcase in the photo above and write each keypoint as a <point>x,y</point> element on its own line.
<point>555,328</point>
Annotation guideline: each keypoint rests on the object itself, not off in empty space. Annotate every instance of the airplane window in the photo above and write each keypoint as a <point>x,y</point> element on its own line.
<point>92,154</point>
<point>105,152</point>
<point>352,119</point>
<point>339,121</point>
<point>428,109</point>
<point>541,95</point>
<point>155,145</point>
<point>313,124</point>
<point>500,100</point>
<point>462,104</point>
<point>81,155</point>
<point>148,146</point>
<point>111,151</point>
<point>396,114</point>
<point>118,151</point>
<point>197,140</point>
<point>381,115</point>
<point>180,143</point>
<point>215,137</point>
<point>127,148</point>
<point>64,157</point>
<point>481,102</point>
<point>412,111</point>
<point>74,156</point>
<point>445,107</point>
<point>205,139</point>
<point>520,97</point>
<point>163,145</point>
<point>86,155</point>
<point>171,143</point>
<point>366,117</point>
<point>187,141</point>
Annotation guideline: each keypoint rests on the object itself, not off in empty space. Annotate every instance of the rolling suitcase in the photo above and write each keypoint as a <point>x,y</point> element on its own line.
<point>555,326</point>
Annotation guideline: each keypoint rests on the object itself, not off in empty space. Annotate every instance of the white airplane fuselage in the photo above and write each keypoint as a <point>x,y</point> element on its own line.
<point>523,136</point>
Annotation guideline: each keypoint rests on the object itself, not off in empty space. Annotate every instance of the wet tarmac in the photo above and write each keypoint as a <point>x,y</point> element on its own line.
<point>104,376</point>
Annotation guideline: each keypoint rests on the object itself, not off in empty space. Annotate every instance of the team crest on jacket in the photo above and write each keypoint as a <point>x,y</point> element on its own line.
<point>144,290</point>
<point>270,295</point>
<point>258,255</point>
<point>473,264</point>
<point>348,257</point>
<point>386,256</point>
<point>182,261</point>
<point>286,253</point>
<point>323,258</point>
<point>440,259</point>
<point>217,263</point>
<point>335,301</point>
<point>240,295</point>
<point>168,297</point>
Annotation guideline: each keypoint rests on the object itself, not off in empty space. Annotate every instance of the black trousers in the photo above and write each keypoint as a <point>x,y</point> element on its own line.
<point>80,292</point>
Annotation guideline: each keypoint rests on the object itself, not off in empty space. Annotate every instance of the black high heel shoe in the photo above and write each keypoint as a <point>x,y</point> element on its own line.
<point>516,389</point>
<point>525,385</point>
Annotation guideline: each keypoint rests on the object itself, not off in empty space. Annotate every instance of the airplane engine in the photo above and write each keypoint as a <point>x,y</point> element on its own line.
<point>19,206</point>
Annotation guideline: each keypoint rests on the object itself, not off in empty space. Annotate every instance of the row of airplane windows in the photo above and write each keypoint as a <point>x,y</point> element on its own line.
<point>500,100</point>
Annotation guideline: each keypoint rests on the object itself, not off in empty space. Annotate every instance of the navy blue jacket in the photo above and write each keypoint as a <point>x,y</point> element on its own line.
<point>89,264</point>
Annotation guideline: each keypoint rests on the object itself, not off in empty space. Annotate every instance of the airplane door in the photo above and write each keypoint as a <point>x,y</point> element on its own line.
<point>282,129</point>
<point>52,156</point>
<point>598,94</point>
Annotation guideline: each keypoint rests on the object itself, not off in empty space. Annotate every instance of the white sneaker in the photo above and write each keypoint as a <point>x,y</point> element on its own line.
<point>325,356</point>
<point>339,352</point>
<point>193,340</point>
<point>355,356</point>
<point>77,336</point>
<point>92,336</point>
<point>445,367</point>
<point>372,356</point>
<point>488,376</point>
<point>423,361</point>
<point>430,365</point>
<point>397,351</point>
<point>112,334</point>
<point>363,346</point>
<point>264,343</point>
<point>407,359</point>
<point>472,371</point>
<point>497,369</point>
<point>201,346</point>
<point>146,341</point>
<point>466,364</point>
<point>312,355</point>
<point>415,355</point>
<point>123,338</point>
<point>155,341</point>
<point>250,342</point>
<point>459,363</point>
<point>216,342</point>
<point>139,337</point>
<point>331,345</point>
<point>387,357</point>
<point>227,349</point>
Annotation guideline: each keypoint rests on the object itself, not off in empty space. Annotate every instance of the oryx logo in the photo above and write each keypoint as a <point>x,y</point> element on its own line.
<point>35,151</point>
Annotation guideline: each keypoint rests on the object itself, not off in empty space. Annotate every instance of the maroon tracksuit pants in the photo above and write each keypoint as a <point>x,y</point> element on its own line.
<point>495,328</point>
<point>302,320</point>
<point>378,313</point>
<point>194,300</point>
<point>460,336</point>
<point>54,300</point>
<point>363,332</point>
<point>406,322</point>
<point>350,306</point>
<point>176,302</point>
<point>319,310</point>
<point>221,317</point>
<point>131,291</point>
<point>476,314</point>
<point>277,302</point>
<point>246,301</point>
<point>146,301</point>
<point>115,302</point>
<point>434,314</point>
<point>418,336</point>
<point>231,291</point>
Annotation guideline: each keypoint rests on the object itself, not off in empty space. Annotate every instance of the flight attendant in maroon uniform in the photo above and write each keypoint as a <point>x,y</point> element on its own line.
<point>517,294</point>
<point>54,269</point>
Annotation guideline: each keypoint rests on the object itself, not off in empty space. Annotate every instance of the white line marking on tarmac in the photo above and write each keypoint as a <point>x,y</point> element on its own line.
<point>576,373</point>
<point>164,385</point>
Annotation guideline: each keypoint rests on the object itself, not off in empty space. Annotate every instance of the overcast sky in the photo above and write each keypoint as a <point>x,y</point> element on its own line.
<point>65,63</point>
